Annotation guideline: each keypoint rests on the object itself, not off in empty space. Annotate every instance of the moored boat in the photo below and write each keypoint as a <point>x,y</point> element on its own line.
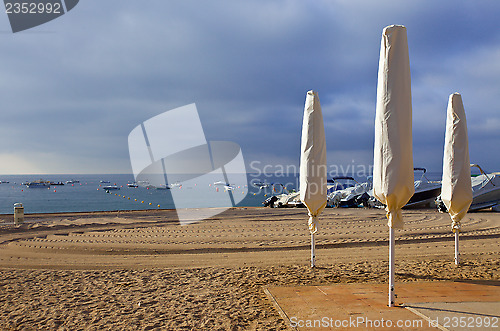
<point>111,187</point>
<point>261,185</point>
<point>38,184</point>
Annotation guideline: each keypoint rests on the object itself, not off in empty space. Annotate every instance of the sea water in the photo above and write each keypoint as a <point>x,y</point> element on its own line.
<point>89,193</point>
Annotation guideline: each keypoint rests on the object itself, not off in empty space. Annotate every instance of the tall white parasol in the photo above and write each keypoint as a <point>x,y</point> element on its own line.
<point>313,188</point>
<point>456,191</point>
<point>393,156</point>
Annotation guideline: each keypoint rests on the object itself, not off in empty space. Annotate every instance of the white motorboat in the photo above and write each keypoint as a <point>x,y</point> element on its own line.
<point>288,198</point>
<point>340,183</point>
<point>261,185</point>
<point>348,194</point>
<point>485,191</point>
<point>284,200</point>
<point>426,191</point>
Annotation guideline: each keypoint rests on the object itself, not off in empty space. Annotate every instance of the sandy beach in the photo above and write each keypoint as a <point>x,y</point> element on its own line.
<point>141,270</point>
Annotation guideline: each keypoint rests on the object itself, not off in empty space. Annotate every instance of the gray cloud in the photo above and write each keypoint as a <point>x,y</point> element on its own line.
<point>72,89</point>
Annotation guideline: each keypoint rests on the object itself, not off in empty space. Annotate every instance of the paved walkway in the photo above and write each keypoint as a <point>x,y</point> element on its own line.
<point>421,306</point>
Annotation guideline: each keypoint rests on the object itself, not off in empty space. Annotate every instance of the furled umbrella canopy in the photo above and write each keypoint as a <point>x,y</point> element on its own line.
<point>393,156</point>
<point>313,188</point>
<point>456,191</point>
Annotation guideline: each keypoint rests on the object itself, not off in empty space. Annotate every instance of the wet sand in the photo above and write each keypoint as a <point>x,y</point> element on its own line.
<point>141,270</point>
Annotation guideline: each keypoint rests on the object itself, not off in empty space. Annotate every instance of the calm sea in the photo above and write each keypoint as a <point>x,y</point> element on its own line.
<point>88,194</point>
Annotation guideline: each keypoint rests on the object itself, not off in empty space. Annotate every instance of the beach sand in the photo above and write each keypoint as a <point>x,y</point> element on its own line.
<point>143,271</point>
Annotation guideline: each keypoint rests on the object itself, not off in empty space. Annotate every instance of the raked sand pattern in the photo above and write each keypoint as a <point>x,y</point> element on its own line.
<point>141,270</point>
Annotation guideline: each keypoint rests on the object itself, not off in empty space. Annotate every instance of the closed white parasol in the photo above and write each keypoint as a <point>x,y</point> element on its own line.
<point>393,158</point>
<point>456,191</point>
<point>313,188</point>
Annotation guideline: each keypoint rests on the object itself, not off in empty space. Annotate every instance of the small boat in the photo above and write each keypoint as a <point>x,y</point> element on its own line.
<point>38,184</point>
<point>3,182</point>
<point>339,183</point>
<point>229,187</point>
<point>284,200</point>
<point>220,183</point>
<point>104,182</point>
<point>344,191</point>
<point>111,187</point>
<point>72,181</point>
<point>289,198</point>
<point>56,183</point>
<point>132,185</point>
<point>261,185</point>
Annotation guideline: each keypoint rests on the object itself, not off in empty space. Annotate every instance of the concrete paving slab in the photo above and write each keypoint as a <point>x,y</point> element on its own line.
<point>460,316</point>
<point>420,306</point>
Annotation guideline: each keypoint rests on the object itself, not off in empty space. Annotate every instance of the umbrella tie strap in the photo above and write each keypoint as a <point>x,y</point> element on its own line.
<point>395,219</point>
<point>313,224</point>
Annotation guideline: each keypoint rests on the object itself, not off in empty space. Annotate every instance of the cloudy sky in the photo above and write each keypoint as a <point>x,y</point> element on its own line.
<point>72,89</point>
